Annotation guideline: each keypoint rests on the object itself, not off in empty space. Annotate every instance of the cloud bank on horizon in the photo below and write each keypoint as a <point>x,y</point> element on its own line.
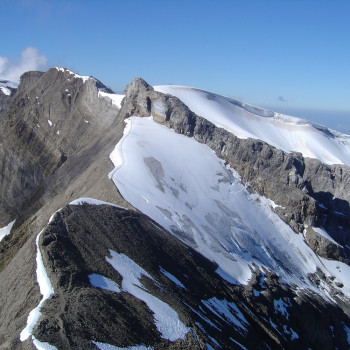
<point>30,60</point>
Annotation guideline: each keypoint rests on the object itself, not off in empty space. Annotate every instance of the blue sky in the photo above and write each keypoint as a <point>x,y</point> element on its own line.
<point>290,56</point>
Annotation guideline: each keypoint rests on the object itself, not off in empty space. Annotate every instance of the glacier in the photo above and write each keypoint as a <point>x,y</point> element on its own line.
<point>186,188</point>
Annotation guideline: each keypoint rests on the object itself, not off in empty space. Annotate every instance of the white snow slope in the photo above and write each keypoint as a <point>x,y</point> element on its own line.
<point>284,132</point>
<point>182,185</point>
<point>5,85</point>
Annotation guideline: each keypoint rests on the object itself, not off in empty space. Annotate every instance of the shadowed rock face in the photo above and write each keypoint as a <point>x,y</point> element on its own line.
<point>308,193</point>
<point>52,117</point>
<point>78,243</point>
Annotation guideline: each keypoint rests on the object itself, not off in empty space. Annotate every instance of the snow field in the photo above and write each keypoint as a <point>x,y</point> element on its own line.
<point>182,185</point>
<point>281,131</point>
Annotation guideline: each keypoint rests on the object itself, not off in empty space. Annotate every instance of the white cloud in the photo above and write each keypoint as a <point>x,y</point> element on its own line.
<point>30,60</point>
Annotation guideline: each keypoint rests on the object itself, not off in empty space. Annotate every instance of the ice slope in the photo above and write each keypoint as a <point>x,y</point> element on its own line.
<point>5,85</point>
<point>182,185</point>
<point>284,132</point>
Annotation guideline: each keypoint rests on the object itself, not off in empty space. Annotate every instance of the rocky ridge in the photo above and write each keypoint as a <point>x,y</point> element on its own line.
<point>80,239</point>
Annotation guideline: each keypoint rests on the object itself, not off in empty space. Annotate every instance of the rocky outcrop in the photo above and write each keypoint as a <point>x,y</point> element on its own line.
<point>305,191</point>
<point>80,240</point>
<point>52,117</point>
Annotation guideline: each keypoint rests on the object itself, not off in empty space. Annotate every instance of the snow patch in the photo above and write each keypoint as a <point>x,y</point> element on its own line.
<point>166,319</point>
<point>50,122</point>
<point>102,282</point>
<point>6,230</point>
<point>324,234</point>
<point>5,90</point>
<point>228,312</point>
<point>43,346</point>
<point>69,72</point>
<point>172,278</point>
<point>214,341</point>
<point>293,335</point>
<point>116,99</point>
<point>46,290</point>
<point>281,307</point>
<point>340,271</point>
<point>104,346</point>
<point>93,201</point>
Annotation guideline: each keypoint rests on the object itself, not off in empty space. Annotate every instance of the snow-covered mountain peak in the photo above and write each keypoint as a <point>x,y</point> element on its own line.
<point>75,75</point>
<point>287,133</point>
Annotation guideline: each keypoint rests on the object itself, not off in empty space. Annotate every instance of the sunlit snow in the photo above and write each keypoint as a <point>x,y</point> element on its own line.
<point>93,201</point>
<point>191,192</point>
<point>102,282</point>
<point>42,345</point>
<point>5,85</point>
<point>166,319</point>
<point>183,186</point>
<point>46,290</point>
<point>69,72</point>
<point>325,234</point>
<point>116,99</point>
<point>5,90</point>
<point>104,346</point>
<point>6,230</point>
<point>228,312</point>
<point>284,132</point>
<point>340,271</point>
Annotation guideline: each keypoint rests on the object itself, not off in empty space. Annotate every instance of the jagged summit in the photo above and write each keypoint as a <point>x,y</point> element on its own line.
<point>167,218</point>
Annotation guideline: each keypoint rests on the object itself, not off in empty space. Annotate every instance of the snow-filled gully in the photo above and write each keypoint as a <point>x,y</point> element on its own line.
<point>46,291</point>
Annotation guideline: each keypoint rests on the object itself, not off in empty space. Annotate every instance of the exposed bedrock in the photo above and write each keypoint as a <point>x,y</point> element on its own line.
<point>306,192</point>
<point>78,244</point>
<point>51,117</point>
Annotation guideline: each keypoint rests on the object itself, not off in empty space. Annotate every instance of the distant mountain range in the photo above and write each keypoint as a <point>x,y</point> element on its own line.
<point>168,218</point>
